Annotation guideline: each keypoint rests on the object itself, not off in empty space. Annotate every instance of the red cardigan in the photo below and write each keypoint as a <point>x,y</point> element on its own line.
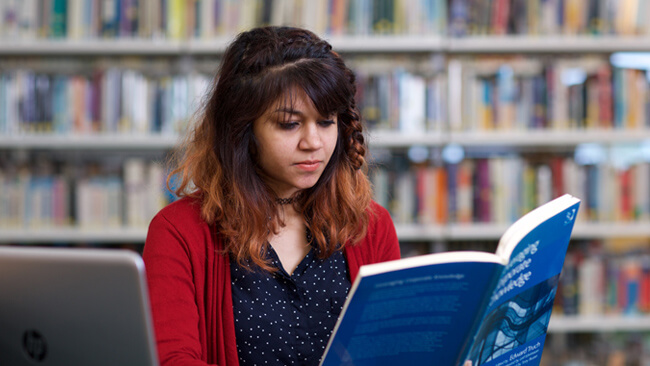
<point>189,282</point>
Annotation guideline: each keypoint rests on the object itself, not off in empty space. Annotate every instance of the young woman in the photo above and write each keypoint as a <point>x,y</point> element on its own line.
<point>253,263</point>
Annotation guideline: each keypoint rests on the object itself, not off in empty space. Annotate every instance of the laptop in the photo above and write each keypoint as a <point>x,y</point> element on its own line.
<point>74,306</point>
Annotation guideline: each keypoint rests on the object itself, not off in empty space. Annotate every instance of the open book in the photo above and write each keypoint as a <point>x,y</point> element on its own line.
<point>454,307</point>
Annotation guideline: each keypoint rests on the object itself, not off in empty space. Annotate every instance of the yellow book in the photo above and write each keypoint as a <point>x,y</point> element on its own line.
<point>176,18</point>
<point>633,102</point>
<point>572,14</point>
<point>626,17</point>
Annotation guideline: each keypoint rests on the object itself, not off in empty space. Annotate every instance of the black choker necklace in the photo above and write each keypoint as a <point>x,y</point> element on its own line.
<point>288,201</point>
<point>285,201</point>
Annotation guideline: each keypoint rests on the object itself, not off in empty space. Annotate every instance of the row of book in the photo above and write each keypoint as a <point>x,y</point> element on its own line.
<point>505,93</point>
<point>599,280</point>
<point>182,19</point>
<point>501,188</point>
<point>479,94</point>
<point>537,93</point>
<point>570,17</point>
<point>103,100</point>
<point>598,348</point>
<point>475,190</point>
<point>93,199</point>
<point>401,100</point>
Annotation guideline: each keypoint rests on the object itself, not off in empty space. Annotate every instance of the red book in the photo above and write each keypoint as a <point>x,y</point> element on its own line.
<point>644,287</point>
<point>557,176</point>
<point>442,196</point>
<point>626,200</point>
<point>500,15</point>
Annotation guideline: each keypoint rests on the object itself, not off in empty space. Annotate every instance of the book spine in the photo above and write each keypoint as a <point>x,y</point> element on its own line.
<point>452,184</point>
<point>58,19</point>
<point>483,199</point>
<point>442,195</point>
<point>179,19</point>
<point>458,18</point>
<point>569,285</point>
<point>591,286</point>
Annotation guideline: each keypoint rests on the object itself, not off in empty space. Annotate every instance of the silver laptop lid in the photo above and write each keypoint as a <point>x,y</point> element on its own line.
<point>74,306</point>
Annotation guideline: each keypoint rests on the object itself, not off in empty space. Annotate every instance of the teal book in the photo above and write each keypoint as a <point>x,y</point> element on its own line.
<point>459,308</point>
<point>58,20</point>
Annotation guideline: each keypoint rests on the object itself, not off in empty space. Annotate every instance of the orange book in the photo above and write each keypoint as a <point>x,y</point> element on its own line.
<point>442,205</point>
<point>557,176</point>
<point>606,111</point>
<point>338,15</point>
<point>626,208</point>
<point>464,192</point>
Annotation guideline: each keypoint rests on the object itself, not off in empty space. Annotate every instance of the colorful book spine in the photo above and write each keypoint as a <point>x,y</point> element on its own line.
<point>499,189</point>
<point>584,93</point>
<point>92,198</point>
<point>110,100</point>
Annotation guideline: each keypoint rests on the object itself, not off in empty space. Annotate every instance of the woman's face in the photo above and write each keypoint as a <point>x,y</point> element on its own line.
<point>294,144</point>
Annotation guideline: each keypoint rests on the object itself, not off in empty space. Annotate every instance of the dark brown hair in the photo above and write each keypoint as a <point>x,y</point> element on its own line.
<point>217,162</point>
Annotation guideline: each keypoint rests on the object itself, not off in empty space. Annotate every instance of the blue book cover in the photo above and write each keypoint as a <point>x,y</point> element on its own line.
<point>459,308</point>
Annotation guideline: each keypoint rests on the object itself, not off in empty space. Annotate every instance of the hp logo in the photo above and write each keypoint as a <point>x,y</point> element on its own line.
<point>34,345</point>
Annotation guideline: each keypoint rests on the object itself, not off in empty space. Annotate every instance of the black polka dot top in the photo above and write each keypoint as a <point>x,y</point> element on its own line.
<point>283,319</point>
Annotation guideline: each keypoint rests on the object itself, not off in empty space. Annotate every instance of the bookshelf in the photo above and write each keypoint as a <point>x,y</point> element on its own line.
<point>378,139</point>
<point>344,44</point>
<point>422,52</point>
<point>607,324</point>
<point>89,142</point>
<point>406,233</point>
<point>70,235</point>
<point>512,139</point>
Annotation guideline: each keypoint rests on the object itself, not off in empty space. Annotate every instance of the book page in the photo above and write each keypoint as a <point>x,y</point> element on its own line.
<point>416,315</point>
<point>519,310</point>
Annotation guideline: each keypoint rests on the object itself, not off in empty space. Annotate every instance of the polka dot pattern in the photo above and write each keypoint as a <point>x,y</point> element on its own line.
<point>283,319</point>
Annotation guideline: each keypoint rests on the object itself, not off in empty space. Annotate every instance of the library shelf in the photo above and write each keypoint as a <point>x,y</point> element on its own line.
<point>345,44</point>
<point>509,138</point>
<point>379,139</point>
<point>491,231</point>
<point>405,232</point>
<point>73,235</point>
<point>89,141</point>
<point>517,44</point>
<point>376,139</point>
<point>396,139</point>
<point>599,323</point>
<point>550,137</point>
<point>211,46</point>
<point>95,47</point>
<point>389,44</point>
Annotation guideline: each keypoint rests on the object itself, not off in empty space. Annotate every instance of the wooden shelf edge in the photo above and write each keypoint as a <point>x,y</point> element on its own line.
<point>342,43</point>
<point>598,323</point>
<point>405,233</point>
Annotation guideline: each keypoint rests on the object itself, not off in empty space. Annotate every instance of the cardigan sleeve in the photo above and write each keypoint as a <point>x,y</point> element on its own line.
<point>384,235</point>
<point>379,245</point>
<point>172,292</point>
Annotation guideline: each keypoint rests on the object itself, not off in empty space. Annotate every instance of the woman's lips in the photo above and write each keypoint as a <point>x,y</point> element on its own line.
<point>308,165</point>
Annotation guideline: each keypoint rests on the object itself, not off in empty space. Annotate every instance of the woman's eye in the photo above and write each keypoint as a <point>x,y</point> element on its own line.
<point>288,125</point>
<point>327,122</point>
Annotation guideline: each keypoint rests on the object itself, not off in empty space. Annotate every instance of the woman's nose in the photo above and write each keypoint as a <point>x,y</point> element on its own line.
<point>311,138</point>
